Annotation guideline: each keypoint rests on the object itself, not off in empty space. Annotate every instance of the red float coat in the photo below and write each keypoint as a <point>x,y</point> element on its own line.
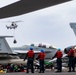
<point>30,54</point>
<point>41,55</point>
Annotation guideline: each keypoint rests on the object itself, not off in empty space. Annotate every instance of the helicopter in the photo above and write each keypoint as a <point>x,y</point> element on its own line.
<point>13,25</point>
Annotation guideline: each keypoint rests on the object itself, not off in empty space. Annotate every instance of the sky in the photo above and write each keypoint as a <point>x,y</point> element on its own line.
<point>49,25</point>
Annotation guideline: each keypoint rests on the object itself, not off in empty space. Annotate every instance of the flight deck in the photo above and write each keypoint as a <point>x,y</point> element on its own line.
<point>36,73</point>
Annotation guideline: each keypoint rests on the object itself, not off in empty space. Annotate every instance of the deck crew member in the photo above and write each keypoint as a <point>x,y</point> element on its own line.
<point>41,57</point>
<point>30,60</point>
<point>58,55</point>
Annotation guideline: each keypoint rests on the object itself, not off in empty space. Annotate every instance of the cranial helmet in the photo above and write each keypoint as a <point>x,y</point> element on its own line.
<point>31,48</point>
<point>74,47</point>
<point>59,49</point>
<point>42,50</point>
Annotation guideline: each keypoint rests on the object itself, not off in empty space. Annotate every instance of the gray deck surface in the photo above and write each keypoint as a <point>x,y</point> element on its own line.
<point>36,73</point>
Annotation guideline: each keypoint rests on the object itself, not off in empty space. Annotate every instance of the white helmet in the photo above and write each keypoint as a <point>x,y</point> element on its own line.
<point>74,47</point>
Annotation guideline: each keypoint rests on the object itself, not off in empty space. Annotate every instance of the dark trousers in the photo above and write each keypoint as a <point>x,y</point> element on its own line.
<point>74,62</point>
<point>59,64</point>
<point>71,63</point>
<point>30,65</point>
<point>41,65</point>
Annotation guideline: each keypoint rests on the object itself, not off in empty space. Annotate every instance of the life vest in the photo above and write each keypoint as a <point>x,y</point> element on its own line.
<point>59,54</point>
<point>71,53</point>
<point>41,55</point>
<point>30,54</point>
